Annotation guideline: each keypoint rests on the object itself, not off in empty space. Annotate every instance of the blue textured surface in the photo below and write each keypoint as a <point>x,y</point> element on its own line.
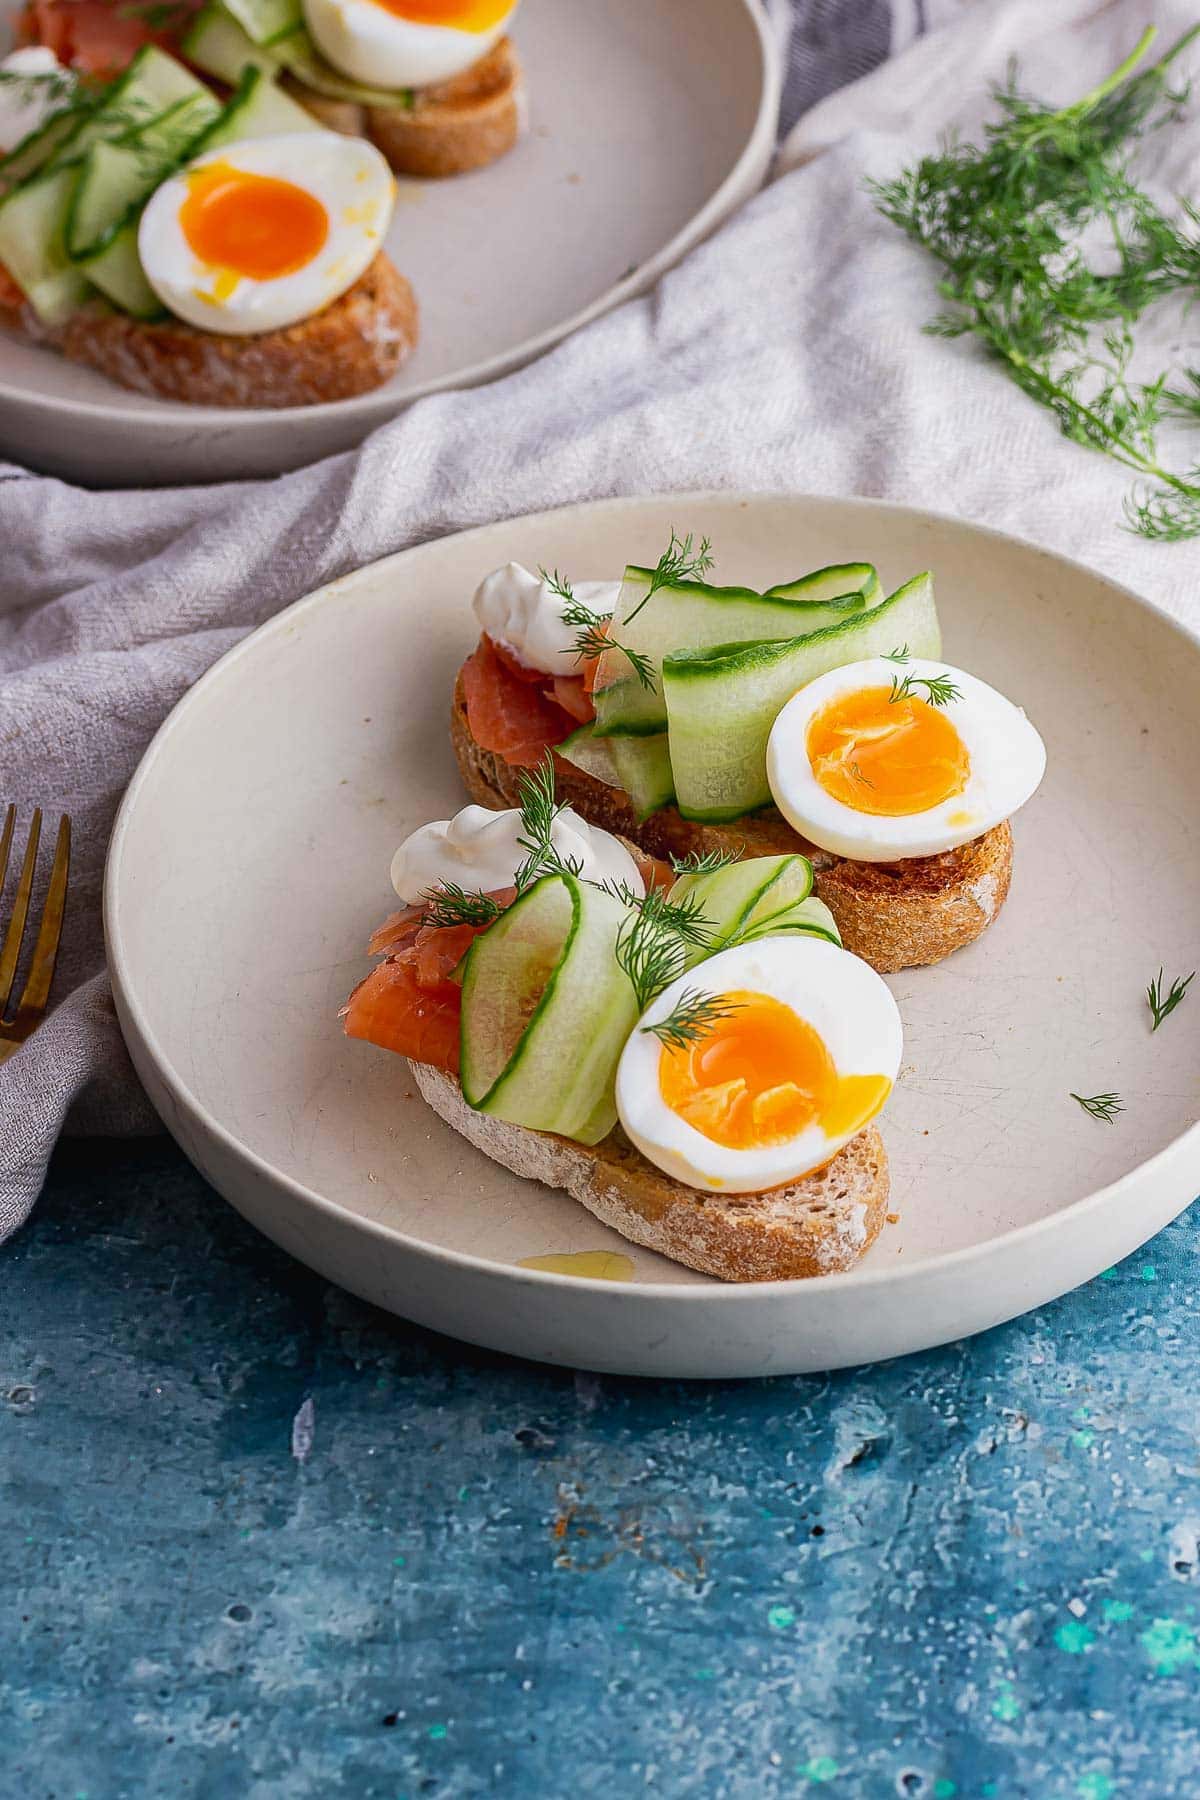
<point>260,1540</point>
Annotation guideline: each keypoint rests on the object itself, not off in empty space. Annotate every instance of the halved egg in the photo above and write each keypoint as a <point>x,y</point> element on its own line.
<point>898,757</point>
<point>406,43</point>
<point>258,235</point>
<point>801,1051</point>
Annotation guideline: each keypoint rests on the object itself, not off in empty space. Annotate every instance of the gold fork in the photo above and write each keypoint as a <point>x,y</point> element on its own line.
<point>31,1007</point>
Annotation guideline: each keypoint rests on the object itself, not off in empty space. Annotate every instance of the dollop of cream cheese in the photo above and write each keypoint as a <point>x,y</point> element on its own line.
<point>521,611</point>
<point>42,86</point>
<point>478,850</point>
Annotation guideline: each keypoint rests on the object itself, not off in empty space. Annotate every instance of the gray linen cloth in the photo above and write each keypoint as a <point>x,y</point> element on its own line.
<point>786,353</point>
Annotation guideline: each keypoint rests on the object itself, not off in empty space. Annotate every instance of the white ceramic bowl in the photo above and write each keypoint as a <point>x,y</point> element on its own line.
<point>651,120</point>
<point>250,862</point>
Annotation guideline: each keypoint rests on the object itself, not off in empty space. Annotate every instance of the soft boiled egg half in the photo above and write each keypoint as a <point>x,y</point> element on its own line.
<point>259,235</point>
<point>406,43</point>
<point>801,1051</point>
<point>898,757</point>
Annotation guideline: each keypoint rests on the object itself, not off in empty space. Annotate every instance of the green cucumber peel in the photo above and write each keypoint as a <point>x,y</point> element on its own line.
<point>547,1010</point>
<point>695,614</point>
<point>722,701</point>
<point>762,896</point>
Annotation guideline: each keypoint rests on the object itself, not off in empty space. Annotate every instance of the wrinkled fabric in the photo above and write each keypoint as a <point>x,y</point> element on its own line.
<point>785,353</point>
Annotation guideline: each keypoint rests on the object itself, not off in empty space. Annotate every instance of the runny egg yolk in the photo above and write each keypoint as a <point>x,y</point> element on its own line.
<point>885,756</point>
<point>761,1076</point>
<point>255,226</point>
<point>459,15</point>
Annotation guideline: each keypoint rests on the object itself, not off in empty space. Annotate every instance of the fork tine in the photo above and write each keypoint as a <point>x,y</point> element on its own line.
<point>16,925</point>
<point>45,951</point>
<point>6,838</point>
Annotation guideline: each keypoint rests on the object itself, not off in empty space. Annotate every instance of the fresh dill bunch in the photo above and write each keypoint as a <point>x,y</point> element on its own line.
<point>678,562</point>
<point>1007,221</point>
<point>711,863</point>
<point>1161,1006</point>
<point>653,942</point>
<point>539,810</point>
<point>939,689</point>
<point>694,1015</point>
<point>1100,1106</point>
<point>451,905</point>
<point>592,634</point>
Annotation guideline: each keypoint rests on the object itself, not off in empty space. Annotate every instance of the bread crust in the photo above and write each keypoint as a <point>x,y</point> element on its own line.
<point>819,1225</point>
<point>449,129</point>
<point>353,345</point>
<point>894,915</point>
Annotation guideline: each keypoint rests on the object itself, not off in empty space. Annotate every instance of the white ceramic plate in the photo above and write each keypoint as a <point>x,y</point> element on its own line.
<point>650,121</point>
<point>250,862</point>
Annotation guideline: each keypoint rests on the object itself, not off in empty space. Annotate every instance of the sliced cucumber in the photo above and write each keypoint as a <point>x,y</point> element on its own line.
<point>151,86</point>
<point>827,587</point>
<point>692,615</point>
<point>35,151</point>
<point>118,178</point>
<point>591,754</point>
<point>300,57</point>
<point>256,109</point>
<point>217,44</point>
<point>117,272</point>
<point>32,248</point>
<point>546,1011</point>
<point>722,702</point>
<point>265,21</point>
<point>643,766</point>
<point>761,897</point>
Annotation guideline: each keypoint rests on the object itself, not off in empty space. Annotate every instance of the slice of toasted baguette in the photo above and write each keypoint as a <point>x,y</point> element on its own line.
<point>894,915</point>
<point>355,344</point>
<point>449,129</point>
<point>819,1225</point>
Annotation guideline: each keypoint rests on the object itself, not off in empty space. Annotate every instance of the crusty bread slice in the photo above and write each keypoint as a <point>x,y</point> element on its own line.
<point>893,915</point>
<point>354,345</point>
<point>819,1225</point>
<point>449,129</point>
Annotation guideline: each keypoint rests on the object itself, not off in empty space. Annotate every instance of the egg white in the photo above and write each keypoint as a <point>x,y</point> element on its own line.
<point>1007,758</point>
<point>847,1004</point>
<point>372,45</point>
<point>348,176</point>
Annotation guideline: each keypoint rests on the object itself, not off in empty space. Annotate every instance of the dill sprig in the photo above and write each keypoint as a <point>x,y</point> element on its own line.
<point>939,689</point>
<point>692,1017</point>
<point>710,863</point>
<point>678,562</point>
<point>653,942</point>
<point>539,810</point>
<point>1007,220</point>
<point>1100,1106</point>
<point>592,634</point>
<point>1162,1007</point>
<point>901,654</point>
<point>446,907</point>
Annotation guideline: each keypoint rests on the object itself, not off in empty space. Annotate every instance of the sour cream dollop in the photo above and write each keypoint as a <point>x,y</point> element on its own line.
<point>523,613</point>
<point>26,103</point>
<point>478,851</point>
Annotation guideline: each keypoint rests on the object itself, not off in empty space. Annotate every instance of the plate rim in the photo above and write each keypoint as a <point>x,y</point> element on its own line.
<point>376,408</point>
<point>132,1016</point>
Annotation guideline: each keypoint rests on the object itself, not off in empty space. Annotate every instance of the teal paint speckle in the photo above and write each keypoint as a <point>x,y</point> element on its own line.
<point>1083,1440</point>
<point>1095,1785</point>
<point>1170,1645</point>
<point>704,1674</point>
<point>398,1562</point>
<point>780,1617</point>
<point>944,1789</point>
<point>437,1733</point>
<point>1117,1612</point>
<point>1006,1707</point>
<point>1074,1637</point>
<point>1108,1274</point>
<point>1149,1272</point>
<point>819,1768</point>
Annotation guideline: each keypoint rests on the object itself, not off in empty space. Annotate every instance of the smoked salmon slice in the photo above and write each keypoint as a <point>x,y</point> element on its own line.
<point>101,37</point>
<point>390,1008</point>
<point>507,714</point>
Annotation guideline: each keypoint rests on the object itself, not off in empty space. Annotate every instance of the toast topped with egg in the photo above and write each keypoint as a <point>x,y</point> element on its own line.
<point>815,718</point>
<point>691,1054</point>
<point>436,85</point>
<point>225,253</point>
